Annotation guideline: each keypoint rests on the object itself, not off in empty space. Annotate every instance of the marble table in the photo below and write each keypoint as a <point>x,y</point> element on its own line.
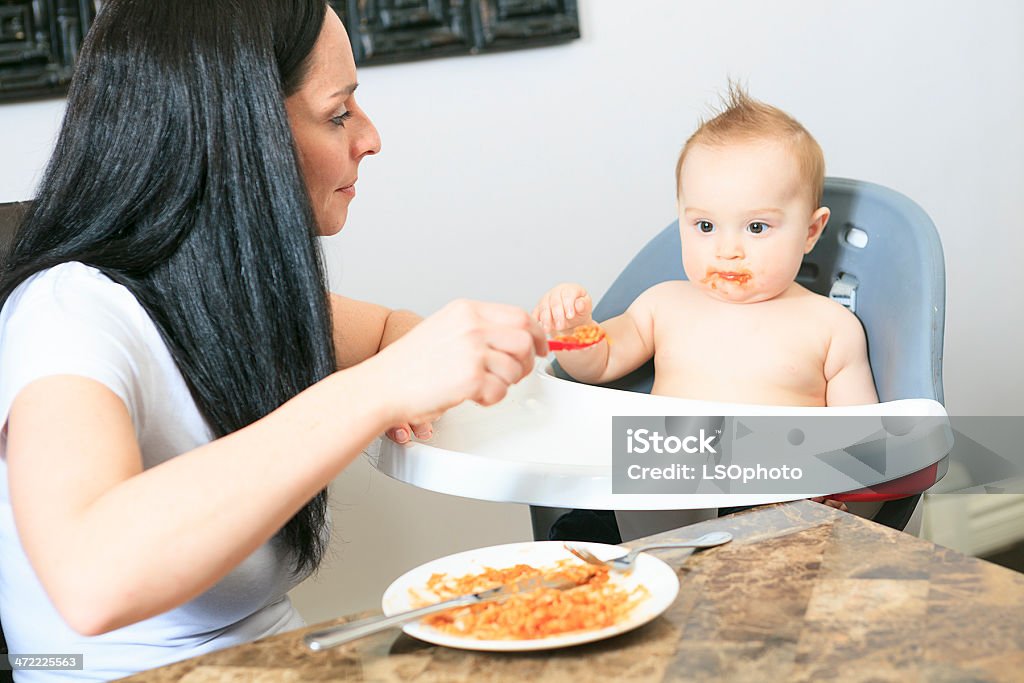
<point>803,593</point>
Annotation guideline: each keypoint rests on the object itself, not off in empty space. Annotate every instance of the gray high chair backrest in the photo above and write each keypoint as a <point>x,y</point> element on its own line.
<point>876,238</point>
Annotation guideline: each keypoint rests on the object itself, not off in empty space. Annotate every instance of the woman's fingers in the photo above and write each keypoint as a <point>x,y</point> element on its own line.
<point>503,366</point>
<point>403,433</point>
<point>513,330</point>
<point>492,389</point>
<point>398,433</point>
<point>422,430</point>
<point>508,360</point>
<point>468,350</point>
<point>511,339</point>
<point>517,345</point>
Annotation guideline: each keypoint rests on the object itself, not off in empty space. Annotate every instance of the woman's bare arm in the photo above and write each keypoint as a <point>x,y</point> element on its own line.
<point>361,329</point>
<point>113,544</point>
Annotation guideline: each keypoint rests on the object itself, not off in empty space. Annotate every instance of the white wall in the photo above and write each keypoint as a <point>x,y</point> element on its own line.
<point>27,135</point>
<point>501,175</point>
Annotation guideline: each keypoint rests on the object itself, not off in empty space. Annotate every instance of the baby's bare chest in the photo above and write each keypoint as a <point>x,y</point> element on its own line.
<point>773,356</point>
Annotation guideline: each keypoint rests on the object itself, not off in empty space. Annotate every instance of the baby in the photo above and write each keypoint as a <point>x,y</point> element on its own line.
<point>749,187</point>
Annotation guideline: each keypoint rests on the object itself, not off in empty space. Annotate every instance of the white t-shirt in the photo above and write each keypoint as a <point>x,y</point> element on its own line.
<point>72,319</point>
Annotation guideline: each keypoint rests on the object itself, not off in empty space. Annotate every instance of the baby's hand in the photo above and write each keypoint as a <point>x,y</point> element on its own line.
<point>564,307</point>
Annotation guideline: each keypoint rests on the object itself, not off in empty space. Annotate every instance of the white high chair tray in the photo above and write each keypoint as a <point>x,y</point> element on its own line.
<point>548,443</point>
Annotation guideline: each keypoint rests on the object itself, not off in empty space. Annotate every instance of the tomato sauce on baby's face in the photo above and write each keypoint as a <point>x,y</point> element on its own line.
<point>715,277</point>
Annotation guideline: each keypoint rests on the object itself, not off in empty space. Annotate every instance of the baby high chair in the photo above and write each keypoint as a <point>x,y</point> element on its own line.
<point>880,256</point>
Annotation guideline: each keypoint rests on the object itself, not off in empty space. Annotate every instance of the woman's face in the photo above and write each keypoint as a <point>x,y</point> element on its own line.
<point>331,131</point>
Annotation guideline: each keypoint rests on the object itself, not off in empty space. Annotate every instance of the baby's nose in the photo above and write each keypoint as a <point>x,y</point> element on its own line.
<point>729,248</point>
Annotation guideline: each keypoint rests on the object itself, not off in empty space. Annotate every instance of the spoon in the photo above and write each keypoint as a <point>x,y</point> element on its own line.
<point>582,337</point>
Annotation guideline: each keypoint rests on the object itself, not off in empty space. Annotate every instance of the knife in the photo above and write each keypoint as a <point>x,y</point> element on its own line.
<point>344,633</point>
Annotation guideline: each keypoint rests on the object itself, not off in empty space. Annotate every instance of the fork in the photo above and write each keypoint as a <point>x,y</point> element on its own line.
<point>625,562</point>
<point>353,630</point>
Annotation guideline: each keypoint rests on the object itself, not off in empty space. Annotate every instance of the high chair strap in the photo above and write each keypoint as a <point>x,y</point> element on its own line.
<point>844,290</point>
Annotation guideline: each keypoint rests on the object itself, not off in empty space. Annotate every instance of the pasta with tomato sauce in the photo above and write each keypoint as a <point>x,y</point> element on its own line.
<point>596,602</point>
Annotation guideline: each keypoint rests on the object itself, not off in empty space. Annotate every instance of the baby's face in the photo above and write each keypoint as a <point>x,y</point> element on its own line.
<point>746,219</point>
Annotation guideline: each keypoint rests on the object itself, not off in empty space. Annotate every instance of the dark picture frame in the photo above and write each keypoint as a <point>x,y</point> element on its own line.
<point>389,31</point>
<point>40,39</point>
<point>39,43</point>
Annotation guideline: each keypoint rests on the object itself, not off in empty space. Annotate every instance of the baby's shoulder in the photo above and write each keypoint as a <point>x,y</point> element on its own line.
<point>838,318</point>
<point>669,295</point>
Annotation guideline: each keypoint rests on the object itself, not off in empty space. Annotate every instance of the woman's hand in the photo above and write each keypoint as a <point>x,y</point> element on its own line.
<point>468,350</point>
<point>564,306</point>
<point>404,432</point>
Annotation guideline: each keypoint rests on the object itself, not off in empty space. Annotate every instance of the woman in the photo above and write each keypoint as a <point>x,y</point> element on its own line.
<point>178,386</point>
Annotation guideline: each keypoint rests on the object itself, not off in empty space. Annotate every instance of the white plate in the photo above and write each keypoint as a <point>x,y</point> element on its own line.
<point>658,578</point>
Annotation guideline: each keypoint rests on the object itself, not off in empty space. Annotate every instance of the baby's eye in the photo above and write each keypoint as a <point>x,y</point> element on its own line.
<point>341,119</point>
<point>757,228</point>
<point>705,226</point>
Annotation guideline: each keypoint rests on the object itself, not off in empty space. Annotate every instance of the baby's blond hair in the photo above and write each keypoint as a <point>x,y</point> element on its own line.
<point>744,118</point>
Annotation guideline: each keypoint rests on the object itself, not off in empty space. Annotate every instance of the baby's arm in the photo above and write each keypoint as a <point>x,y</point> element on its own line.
<point>847,371</point>
<point>628,343</point>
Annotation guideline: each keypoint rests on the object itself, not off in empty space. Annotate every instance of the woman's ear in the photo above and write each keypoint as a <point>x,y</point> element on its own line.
<point>819,219</point>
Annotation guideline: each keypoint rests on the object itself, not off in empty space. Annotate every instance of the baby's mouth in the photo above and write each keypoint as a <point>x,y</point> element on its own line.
<point>739,277</point>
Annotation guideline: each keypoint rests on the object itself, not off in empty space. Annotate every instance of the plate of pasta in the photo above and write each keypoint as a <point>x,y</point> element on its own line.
<point>602,604</point>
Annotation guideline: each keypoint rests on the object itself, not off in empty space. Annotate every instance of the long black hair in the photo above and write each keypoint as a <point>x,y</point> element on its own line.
<point>176,175</point>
